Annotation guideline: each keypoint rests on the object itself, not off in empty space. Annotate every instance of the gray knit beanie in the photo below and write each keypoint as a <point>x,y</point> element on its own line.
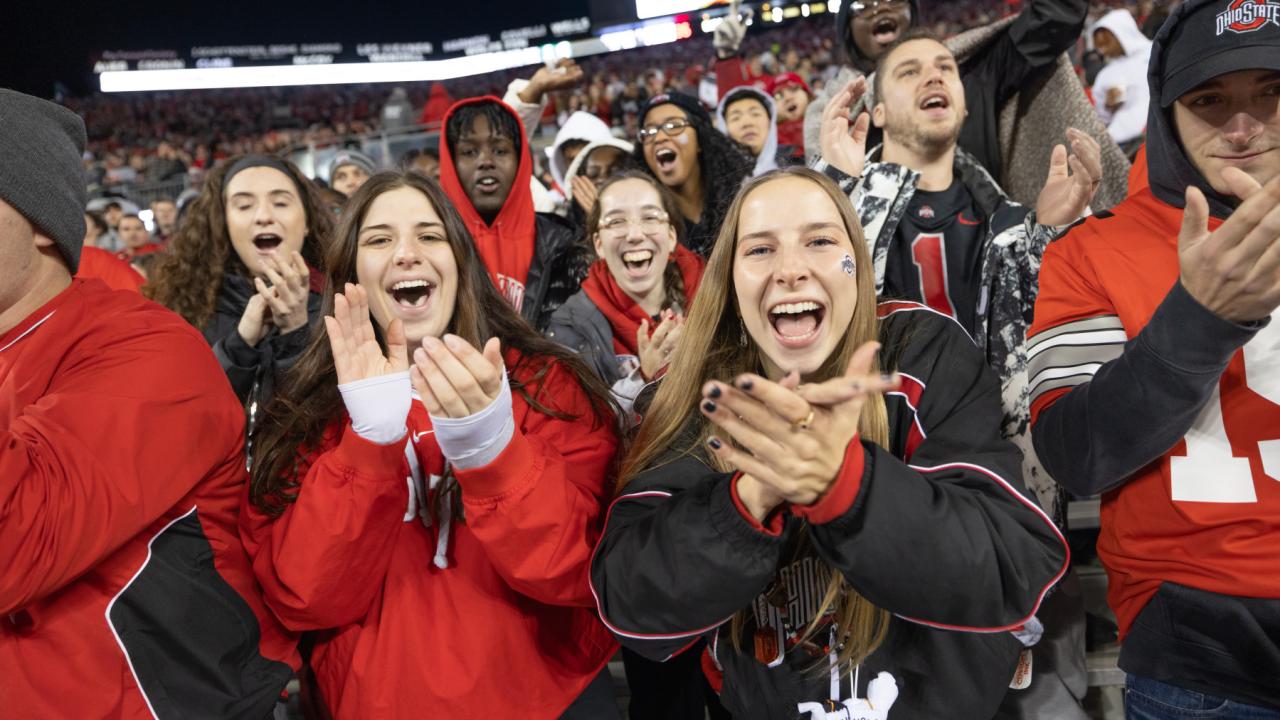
<point>41,175</point>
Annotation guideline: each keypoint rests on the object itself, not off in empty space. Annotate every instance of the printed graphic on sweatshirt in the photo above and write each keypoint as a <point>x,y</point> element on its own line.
<point>784,609</point>
<point>512,290</point>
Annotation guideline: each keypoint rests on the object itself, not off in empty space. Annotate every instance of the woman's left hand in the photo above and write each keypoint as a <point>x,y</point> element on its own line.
<point>453,378</point>
<point>287,296</point>
<point>792,438</point>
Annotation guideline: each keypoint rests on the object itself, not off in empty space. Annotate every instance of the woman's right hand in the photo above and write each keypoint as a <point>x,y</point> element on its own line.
<point>255,323</point>
<point>584,193</point>
<point>356,352</point>
<point>656,350</point>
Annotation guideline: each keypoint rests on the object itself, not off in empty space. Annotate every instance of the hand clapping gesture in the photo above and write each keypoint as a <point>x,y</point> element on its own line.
<point>791,438</point>
<point>1073,180</point>
<point>283,304</point>
<point>844,147</point>
<point>656,349</point>
<point>453,378</point>
<point>356,353</point>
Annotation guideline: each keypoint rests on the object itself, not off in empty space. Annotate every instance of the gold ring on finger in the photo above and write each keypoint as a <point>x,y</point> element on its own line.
<point>803,424</point>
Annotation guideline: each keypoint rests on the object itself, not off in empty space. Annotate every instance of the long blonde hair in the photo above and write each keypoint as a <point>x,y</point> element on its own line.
<point>711,349</point>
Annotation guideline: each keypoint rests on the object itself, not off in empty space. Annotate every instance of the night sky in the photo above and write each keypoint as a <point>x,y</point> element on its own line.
<point>48,41</point>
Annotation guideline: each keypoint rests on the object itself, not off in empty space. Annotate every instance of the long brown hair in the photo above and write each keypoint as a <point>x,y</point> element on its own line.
<point>672,278</point>
<point>187,278</point>
<point>712,350</point>
<point>297,417</point>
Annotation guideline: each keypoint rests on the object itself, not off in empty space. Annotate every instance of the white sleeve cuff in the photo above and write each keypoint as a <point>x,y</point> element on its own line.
<point>379,406</point>
<point>477,440</point>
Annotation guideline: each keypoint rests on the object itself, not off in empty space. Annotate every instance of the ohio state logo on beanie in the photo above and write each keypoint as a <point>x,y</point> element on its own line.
<point>1243,16</point>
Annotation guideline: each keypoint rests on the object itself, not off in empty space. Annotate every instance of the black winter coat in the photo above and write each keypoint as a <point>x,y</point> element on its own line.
<point>560,264</point>
<point>941,533</point>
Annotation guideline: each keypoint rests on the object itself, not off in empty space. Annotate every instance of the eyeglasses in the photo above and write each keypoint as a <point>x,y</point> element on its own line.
<point>672,127</point>
<point>866,7</point>
<point>619,225</point>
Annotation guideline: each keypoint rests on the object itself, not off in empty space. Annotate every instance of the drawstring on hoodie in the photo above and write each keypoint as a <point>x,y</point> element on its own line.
<point>441,559</point>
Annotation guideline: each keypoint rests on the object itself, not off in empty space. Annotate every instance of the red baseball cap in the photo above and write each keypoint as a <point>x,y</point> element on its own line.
<point>788,78</point>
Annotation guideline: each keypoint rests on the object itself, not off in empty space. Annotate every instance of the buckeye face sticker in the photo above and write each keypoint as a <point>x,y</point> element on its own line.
<point>846,264</point>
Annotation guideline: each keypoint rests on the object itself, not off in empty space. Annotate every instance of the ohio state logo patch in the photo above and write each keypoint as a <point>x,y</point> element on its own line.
<point>1244,16</point>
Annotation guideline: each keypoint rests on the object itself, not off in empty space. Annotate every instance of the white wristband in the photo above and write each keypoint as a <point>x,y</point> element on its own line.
<point>477,440</point>
<point>379,406</point>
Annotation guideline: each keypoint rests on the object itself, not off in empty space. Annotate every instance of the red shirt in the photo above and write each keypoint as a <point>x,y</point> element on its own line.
<point>116,273</point>
<point>1208,518</point>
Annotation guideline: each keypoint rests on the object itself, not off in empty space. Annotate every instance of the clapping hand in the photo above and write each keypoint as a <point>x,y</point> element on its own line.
<point>356,352</point>
<point>1073,180</point>
<point>791,439</point>
<point>454,379</point>
<point>844,147</point>
<point>656,350</point>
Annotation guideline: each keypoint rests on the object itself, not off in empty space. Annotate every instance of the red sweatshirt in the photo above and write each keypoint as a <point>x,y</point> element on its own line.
<point>126,592</point>
<point>508,628</point>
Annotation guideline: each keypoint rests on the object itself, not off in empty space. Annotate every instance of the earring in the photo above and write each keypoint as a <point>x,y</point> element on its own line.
<point>742,334</point>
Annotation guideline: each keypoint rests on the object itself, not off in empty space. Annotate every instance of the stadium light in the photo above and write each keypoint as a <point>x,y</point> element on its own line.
<point>334,74</point>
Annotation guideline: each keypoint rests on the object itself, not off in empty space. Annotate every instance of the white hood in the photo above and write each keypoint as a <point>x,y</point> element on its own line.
<point>579,126</point>
<point>1125,28</point>
<point>768,158</point>
<point>576,166</point>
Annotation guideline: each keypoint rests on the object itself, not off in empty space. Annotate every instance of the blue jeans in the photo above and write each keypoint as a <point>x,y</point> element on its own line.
<point>1146,699</point>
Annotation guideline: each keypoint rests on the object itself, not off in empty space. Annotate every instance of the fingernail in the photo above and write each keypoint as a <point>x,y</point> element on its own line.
<point>856,385</point>
<point>889,378</point>
<point>453,341</point>
<point>714,392</point>
<point>715,443</point>
<point>745,383</point>
<point>709,406</point>
<point>431,343</point>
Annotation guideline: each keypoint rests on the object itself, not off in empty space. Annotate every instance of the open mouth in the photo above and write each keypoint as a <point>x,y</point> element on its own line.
<point>638,262</point>
<point>935,101</point>
<point>885,30</point>
<point>792,108</point>
<point>666,159</point>
<point>411,294</point>
<point>796,324</point>
<point>487,184</point>
<point>266,242</point>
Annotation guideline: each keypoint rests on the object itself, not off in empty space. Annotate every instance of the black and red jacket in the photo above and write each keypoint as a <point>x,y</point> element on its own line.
<point>938,530</point>
<point>125,592</point>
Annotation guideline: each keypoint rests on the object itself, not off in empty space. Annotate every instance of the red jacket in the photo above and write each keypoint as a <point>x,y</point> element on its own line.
<point>507,628</point>
<point>126,592</point>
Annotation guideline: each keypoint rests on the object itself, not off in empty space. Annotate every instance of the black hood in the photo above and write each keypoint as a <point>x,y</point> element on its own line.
<point>846,35</point>
<point>1169,171</point>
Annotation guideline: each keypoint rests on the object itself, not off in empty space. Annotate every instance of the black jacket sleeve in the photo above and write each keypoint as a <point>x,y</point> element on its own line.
<point>1042,31</point>
<point>949,536</point>
<point>677,558</point>
<point>1139,405</point>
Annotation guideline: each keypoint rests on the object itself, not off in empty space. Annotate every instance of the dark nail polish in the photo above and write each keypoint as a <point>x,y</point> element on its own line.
<point>715,443</point>
<point>709,406</point>
<point>714,392</point>
<point>745,383</point>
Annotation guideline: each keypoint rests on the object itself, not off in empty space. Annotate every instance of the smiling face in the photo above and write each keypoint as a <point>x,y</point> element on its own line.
<point>265,216</point>
<point>1232,121</point>
<point>635,238</point>
<point>674,159</point>
<point>791,101</point>
<point>876,28</point>
<point>747,120</point>
<point>405,263</point>
<point>486,163</point>
<point>793,287</point>
<point>920,99</point>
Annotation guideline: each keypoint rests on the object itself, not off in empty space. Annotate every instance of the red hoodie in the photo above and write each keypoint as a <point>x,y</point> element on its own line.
<point>508,628</point>
<point>506,246</point>
<point>116,273</point>
<point>126,592</point>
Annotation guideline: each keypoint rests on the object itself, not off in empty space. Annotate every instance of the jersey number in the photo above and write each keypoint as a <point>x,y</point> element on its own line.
<point>1210,471</point>
<point>931,266</point>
